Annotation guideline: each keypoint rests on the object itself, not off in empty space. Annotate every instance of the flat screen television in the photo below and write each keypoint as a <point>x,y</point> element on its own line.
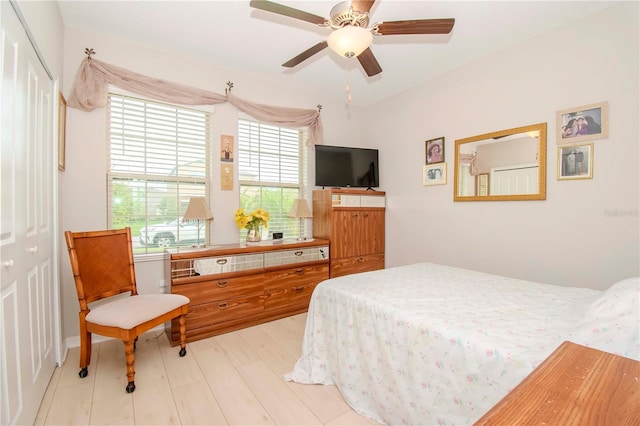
<point>344,167</point>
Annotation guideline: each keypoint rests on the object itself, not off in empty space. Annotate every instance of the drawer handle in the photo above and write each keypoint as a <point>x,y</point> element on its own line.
<point>221,261</point>
<point>361,259</point>
<point>298,289</point>
<point>354,214</point>
<point>222,305</point>
<point>299,271</point>
<point>222,284</point>
<point>365,214</point>
<point>298,253</point>
<point>276,292</point>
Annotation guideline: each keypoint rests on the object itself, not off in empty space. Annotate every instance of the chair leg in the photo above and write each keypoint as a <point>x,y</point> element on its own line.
<point>85,352</point>
<point>182,320</point>
<point>130,359</point>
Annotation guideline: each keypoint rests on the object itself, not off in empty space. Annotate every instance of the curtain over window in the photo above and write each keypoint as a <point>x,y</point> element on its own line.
<point>90,88</point>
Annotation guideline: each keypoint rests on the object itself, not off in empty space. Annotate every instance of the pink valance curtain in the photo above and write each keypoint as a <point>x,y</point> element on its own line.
<point>470,159</point>
<point>93,78</point>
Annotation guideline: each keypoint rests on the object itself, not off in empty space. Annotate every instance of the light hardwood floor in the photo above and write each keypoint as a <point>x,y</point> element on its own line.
<point>234,378</point>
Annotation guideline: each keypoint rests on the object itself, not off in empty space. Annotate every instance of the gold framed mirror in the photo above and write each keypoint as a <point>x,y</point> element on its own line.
<point>508,165</point>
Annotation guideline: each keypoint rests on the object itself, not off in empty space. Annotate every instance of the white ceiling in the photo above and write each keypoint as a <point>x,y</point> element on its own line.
<point>234,35</point>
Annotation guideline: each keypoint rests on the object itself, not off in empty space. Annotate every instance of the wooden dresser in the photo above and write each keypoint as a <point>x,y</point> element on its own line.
<point>354,222</point>
<point>238,285</point>
<point>576,385</point>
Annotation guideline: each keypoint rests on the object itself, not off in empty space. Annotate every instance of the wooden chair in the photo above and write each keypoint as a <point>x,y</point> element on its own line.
<point>102,266</point>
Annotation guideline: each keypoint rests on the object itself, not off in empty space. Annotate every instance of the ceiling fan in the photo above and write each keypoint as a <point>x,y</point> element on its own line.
<point>351,34</point>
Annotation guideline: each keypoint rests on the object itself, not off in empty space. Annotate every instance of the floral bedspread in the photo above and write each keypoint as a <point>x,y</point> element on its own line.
<point>428,344</point>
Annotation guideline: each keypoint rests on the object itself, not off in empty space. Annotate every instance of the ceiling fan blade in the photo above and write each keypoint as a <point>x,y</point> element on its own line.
<point>369,63</point>
<point>305,55</point>
<point>280,9</point>
<point>417,26</point>
<point>362,5</point>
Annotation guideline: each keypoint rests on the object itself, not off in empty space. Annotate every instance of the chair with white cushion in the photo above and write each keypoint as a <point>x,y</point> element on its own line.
<point>102,266</point>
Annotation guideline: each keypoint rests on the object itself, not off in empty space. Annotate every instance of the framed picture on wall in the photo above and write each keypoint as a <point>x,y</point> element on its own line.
<point>226,148</point>
<point>226,177</point>
<point>587,122</point>
<point>62,131</point>
<point>575,162</point>
<point>434,149</point>
<point>434,174</point>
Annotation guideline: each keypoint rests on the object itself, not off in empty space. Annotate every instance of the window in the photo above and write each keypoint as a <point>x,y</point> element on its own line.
<point>271,172</point>
<point>157,161</point>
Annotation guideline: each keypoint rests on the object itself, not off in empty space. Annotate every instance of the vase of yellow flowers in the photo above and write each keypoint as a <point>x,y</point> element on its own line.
<point>252,222</point>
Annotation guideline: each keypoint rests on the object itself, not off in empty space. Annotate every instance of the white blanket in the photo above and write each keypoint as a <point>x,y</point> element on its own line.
<point>427,344</point>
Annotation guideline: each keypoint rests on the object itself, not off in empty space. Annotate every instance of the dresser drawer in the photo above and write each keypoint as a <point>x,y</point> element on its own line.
<point>288,257</point>
<point>293,287</point>
<point>224,264</point>
<point>353,265</point>
<point>225,310</point>
<point>205,319</point>
<point>216,290</point>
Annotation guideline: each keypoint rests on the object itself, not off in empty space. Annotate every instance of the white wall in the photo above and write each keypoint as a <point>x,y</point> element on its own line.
<point>586,233</point>
<point>45,23</point>
<point>83,197</point>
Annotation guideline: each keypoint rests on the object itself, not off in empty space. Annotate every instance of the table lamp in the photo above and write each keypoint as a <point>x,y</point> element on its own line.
<point>300,210</point>
<point>197,210</point>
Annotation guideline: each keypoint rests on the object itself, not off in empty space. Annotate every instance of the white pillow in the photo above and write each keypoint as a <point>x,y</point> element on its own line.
<point>612,321</point>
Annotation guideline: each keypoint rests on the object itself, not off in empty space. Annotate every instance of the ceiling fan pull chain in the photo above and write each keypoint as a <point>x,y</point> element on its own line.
<point>348,88</point>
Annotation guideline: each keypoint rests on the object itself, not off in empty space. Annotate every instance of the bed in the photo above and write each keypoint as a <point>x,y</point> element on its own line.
<point>430,344</point>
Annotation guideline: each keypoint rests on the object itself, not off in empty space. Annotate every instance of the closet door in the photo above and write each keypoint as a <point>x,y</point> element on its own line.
<point>27,284</point>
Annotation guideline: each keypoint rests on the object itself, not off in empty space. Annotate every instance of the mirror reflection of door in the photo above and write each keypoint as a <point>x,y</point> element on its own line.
<point>515,181</point>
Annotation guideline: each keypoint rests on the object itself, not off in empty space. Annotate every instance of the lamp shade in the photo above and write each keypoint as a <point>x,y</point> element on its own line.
<point>197,209</point>
<point>350,40</point>
<point>300,208</point>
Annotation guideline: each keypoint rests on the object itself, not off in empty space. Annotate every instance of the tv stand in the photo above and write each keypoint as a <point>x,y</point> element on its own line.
<point>353,219</point>
<point>349,188</point>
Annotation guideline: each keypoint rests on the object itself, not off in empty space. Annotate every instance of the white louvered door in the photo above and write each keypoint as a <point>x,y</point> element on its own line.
<point>26,228</point>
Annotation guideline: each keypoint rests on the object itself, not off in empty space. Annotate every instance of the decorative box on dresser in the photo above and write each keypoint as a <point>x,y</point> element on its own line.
<point>238,285</point>
<point>353,220</point>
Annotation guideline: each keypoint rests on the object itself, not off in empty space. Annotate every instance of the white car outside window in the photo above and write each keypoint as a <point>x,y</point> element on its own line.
<point>172,233</point>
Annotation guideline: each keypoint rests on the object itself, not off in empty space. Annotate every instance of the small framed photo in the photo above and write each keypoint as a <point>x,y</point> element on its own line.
<point>434,149</point>
<point>575,162</point>
<point>226,177</point>
<point>434,174</point>
<point>587,122</point>
<point>226,148</point>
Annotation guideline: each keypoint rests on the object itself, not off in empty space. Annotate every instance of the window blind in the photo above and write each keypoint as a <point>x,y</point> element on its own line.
<point>271,171</point>
<point>157,160</point>
<point>464,178</point>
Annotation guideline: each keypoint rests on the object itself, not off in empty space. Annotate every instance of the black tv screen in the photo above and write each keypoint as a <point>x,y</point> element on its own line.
<point>339,166</point>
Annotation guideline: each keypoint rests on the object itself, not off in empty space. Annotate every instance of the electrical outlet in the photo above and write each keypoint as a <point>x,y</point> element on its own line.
<point>162,284</point>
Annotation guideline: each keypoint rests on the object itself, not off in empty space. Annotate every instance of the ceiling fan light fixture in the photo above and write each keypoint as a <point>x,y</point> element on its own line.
<point>350,41</point>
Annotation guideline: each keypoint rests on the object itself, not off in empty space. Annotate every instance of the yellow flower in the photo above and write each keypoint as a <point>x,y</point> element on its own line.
<point>252,220</point>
